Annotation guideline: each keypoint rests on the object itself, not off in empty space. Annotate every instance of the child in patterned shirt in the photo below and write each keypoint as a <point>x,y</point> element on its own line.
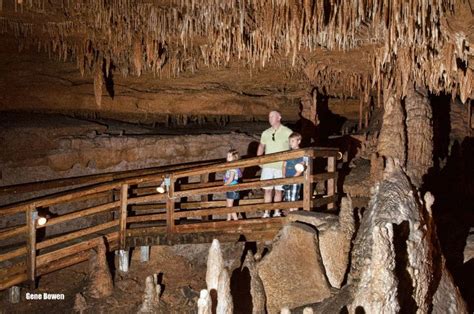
<point>231,177</point>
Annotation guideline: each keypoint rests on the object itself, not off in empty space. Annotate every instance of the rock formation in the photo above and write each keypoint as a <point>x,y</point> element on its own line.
<point>100,279</point>
<point>151,296</point>
<point>292,272</point>
<point>419,125</point>
<point>396,261</point>
<point>204,303</point>
<point>257,289</point>
<point>377,291</point>
<point>215,265</point>
<point>225,304</point>
<point>392,138</point>
<point>334,237</point>
<point>80,303</point>
<point>335,244</point>
<point>396,251</point>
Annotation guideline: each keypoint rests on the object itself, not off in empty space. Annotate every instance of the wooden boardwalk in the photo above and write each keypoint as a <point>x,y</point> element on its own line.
<point>128,212</point>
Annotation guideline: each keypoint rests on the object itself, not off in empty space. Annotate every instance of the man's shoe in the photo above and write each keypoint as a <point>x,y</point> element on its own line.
<point>266,215</point>
<point>277,213</point>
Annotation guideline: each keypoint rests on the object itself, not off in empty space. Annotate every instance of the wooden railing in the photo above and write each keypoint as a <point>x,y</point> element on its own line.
<point>131,207</point>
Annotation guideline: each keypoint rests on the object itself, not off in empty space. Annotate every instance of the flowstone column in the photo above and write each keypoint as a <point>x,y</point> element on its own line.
<point>392,139</point>
<point>419,123</point>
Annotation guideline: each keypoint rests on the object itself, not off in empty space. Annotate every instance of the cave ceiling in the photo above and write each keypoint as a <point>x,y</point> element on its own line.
<point>157,57</point>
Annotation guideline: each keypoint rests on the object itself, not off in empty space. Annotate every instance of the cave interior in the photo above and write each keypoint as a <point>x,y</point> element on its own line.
<point>94,92</point>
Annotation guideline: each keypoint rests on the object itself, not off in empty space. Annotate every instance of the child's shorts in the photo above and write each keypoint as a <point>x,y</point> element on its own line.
<point>232,195</point>
<point>292,192</point>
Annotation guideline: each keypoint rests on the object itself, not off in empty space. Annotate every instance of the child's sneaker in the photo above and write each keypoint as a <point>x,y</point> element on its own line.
<point>277,213</point>
<point>266,215</point>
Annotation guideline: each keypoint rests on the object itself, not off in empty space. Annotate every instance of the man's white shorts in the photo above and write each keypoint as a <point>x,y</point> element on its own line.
<point>271,173</point>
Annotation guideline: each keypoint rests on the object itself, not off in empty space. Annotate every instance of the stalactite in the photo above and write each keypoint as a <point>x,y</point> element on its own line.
<point>415,39</point>
<point>98,82</point>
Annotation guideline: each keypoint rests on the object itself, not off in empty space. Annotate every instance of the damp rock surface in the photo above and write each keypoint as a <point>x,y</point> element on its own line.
<point>292,273</point>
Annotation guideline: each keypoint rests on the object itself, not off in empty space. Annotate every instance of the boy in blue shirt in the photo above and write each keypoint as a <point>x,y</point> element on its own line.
<point>293,168</point>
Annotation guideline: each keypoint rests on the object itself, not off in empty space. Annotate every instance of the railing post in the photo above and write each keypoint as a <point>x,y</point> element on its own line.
<point>31,215</point>
<point>331,182</point>
<point>170,228</point>
<point>307,190</point>
<point>123,215</point>
<point>205,197</point>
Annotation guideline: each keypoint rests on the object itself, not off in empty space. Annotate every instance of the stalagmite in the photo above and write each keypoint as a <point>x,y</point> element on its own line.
<point>394,260</point>
<point>204,303</point>
<point>392,138</point>
<point>215,265</point>
<point>377,290</point>
<point>100,279</point>
<point>151,296</point>
<point>419,134</point>
<point>257,291</point>
<point>308,310</point>
<point>80,304</point>
<point>285,310</point>
<point>224,297</point>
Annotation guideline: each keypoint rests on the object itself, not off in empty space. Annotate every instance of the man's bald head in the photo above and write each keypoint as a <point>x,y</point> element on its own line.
<point>274,118</point>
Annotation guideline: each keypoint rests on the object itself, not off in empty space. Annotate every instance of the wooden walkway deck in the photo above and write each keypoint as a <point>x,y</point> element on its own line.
<point>129,212</point>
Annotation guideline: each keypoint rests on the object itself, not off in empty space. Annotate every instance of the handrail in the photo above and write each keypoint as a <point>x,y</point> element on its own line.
<point>119,225</point>
<point>255,161</point>
<point>98,178</point>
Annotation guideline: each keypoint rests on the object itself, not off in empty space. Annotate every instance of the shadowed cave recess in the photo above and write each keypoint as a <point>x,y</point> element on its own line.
<point>116,118</point>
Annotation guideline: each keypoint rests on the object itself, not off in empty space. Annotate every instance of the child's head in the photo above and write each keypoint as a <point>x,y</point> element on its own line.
<point>295,140</point>
<point>232,155</point>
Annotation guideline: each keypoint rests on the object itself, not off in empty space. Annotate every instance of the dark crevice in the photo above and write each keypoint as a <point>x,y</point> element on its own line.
<point>405,283</point>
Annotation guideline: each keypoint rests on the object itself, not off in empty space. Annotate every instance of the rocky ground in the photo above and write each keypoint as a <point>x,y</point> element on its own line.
<point>181,273</point>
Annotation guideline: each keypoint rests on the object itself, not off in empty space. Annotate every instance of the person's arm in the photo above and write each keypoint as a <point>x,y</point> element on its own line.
<point>261,149</point>
<point>283,170</point>
<point>230,179</point>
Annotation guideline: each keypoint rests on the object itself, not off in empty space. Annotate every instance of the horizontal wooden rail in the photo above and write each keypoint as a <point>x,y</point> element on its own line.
<point>147,198</point>
<point>255,161</point>
<point>144,218</point>
<point>222,203</point>
<point>152,206</point>
<point>13,232</point>
<point>12,254</point>
<point>98,178</point>
<point>65,262</point>
<point>75,234</point>
<point>235,226</point>
<point>80,214</point>
<point>60,198</point>
<point>12,269</point>
<point>13,281</point>
<point>253,185</point>
<point>236,209</point>
<point>44,259</point>
<point>188,186</point>
<point>144,231</point>
<point>239,187</point>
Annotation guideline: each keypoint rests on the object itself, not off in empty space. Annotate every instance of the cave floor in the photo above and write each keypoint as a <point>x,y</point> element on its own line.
<point>181,282</point>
